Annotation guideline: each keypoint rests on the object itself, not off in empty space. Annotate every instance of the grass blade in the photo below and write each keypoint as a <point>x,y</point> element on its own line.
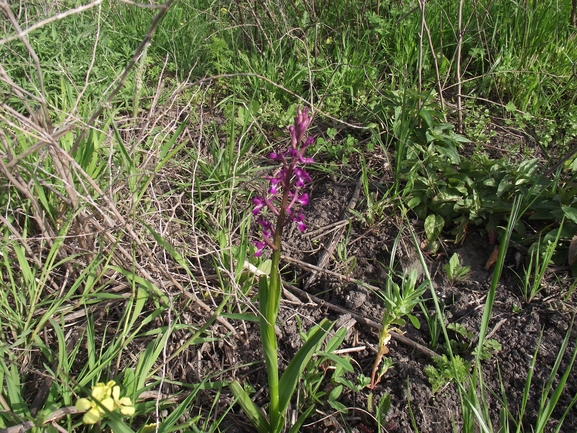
<point>547,411</point>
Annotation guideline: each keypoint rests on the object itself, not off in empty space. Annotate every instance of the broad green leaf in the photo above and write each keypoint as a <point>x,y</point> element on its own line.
<point>510,107</point>
<point>129,383</point>
<point>334,395</point>
<point>384,404</point>
<point>141,296</point>
<point>238,316</point>
<point>27,273</point>
<point>240,257</point>
<point>433,226</point>
<point>454,262</point>
<point>132,277</point>
<point>427,116</point>
<point>570,212</point>
<point>414,202</point>
<point>14,391</point>
<point>116,424</point>
<point>504,185</point>
<point>61,339</point>
<point>169,248</point>
<point>450,152</point>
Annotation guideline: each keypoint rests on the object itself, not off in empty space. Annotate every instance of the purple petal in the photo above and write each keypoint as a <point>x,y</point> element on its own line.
<point>277,156</point>
<point>302,177</point>
<point>260,246</point>
<point>259,203</point>
<point>303,200</point>
<point>273,180</point>
<point>299,220</point>
<point>294,140</point>
<point>309,141</point>
<point>264,223</point>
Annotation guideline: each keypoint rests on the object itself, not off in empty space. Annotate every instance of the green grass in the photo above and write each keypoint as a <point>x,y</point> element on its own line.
<point>126,229</point>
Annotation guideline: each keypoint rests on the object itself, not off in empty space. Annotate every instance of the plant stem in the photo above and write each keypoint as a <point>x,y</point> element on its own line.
<point>269,314</point>
<point>269,293</point>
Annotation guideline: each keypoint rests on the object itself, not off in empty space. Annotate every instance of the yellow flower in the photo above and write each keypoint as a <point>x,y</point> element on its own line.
<point>104,397</point>
<point>149,428</point>
<point>124,403</point>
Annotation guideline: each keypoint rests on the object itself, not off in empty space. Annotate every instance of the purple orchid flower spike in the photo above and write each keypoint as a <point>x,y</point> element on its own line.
<point>285,197</point>
<point>280,205</point>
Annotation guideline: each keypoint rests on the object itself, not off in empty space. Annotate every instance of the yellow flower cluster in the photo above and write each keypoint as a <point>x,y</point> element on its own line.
<point>104,397</point>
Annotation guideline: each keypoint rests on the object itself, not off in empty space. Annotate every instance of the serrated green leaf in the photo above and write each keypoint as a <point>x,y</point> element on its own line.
<point>510,107</point>
<point>384,404</point>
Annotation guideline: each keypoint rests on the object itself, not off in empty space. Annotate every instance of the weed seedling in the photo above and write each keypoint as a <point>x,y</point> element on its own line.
<point>375,206</point>
<point>399,303</point>
<point>327,364</point>
<point>455,271</point>
<point>444,371</point>
<point>540,255</point>
<point>464,341</point>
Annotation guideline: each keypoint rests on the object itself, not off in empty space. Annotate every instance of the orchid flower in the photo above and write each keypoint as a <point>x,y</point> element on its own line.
<point>285,197</point>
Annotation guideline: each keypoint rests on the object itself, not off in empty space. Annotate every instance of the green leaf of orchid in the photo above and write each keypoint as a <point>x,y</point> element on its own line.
<point>251,410</point>
<point>293,373</point>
